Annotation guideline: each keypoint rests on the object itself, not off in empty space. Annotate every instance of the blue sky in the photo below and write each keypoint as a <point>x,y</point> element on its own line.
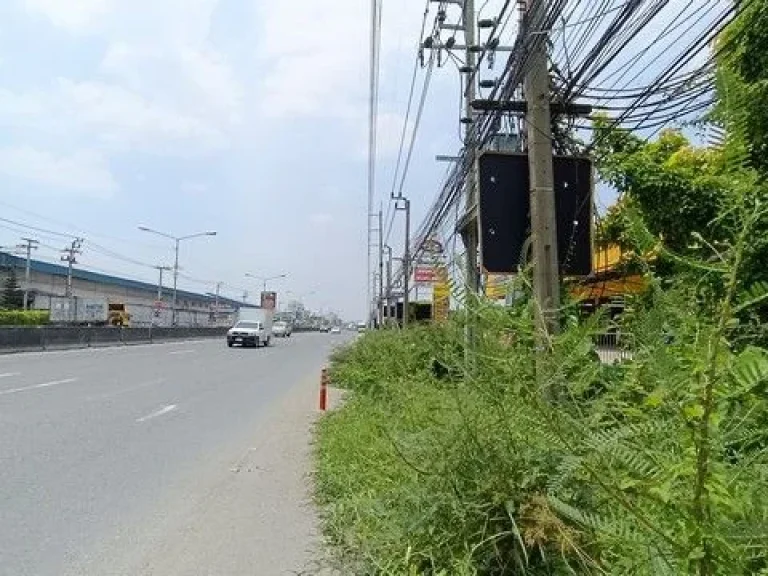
<point>245,117</point>
<point>248,117</point>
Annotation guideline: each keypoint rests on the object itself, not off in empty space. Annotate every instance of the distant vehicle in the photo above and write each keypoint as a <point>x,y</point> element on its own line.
<point>253,328</point>
<point>362,327</point>
<point>89,312</point>
<point>325,328</point>
<point>118,315</point>
<point>335,330</point>
<point>282,330</point>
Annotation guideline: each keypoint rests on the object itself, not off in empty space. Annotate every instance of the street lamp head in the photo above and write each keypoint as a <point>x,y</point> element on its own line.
<point>211,233</point>
<point>144,229</point>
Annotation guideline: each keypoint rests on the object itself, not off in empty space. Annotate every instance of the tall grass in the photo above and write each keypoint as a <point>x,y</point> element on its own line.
<point>432,470</point>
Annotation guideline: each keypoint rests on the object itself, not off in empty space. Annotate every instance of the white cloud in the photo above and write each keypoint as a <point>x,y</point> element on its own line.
<point>114,116</point>
<point>390,130</point>
<point>315,57</point>
<point>83,171</point>
<point>74,15</point>
<point>161,79</point>
<point>193,188</point>
<point>320,218</point>
<point>122,116</point>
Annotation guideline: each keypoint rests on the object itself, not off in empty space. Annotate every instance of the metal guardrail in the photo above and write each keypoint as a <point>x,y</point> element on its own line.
<point>32,338</point>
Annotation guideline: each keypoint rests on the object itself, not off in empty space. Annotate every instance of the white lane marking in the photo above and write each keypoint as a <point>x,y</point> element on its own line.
<point>180,352</point>
<point>161,412</point>
<point>38,386</point>
<point>9,374</point>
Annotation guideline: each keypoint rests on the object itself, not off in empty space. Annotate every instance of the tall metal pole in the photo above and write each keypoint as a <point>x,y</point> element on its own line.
<point>406,261</point>
<point>372,142</point>
<point>175,283</point>
<point>546,282</point>
<point>29,245</point>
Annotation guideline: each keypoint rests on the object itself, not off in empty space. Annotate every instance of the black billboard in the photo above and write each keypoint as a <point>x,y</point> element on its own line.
<point>504,212</point>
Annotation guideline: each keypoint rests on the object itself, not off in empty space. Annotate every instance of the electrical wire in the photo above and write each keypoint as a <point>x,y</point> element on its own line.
<point>590,53</point>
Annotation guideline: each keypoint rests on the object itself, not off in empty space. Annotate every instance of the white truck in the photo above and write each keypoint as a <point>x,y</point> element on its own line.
<point>253,328</point>
<point>80,311</point>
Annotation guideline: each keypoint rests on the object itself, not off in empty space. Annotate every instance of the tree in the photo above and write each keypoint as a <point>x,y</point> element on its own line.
<point>679,189</point>
<point>743,82</point>
<point>12,295</point>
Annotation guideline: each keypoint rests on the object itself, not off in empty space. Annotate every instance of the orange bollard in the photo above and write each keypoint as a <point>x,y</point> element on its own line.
<point>324,390</point>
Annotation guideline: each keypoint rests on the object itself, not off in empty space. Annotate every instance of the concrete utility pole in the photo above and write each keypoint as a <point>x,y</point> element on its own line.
<point>470,92</point>
<point>381,269</point>
<point>161,269</point>
<point>218,295</point>
<point>388,298</point>
<point>70,257</point>
<point>29,245</point>
<point>546,281</point>
<point>406,206</point>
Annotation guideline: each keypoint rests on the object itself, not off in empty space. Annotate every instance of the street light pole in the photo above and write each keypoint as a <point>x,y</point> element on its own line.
<point>267,279</point>
<point>177,240</point>
<point>175,283</point>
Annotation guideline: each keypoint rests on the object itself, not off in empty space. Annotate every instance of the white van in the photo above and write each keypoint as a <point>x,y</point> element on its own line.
<point>253,328</point>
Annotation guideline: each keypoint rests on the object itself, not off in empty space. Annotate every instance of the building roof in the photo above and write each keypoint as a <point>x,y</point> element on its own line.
<point>11,261</point>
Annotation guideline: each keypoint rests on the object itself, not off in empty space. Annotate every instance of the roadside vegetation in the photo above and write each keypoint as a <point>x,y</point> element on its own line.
<point>12,302</point>
<point>489,461</point>
<point>24,318</point>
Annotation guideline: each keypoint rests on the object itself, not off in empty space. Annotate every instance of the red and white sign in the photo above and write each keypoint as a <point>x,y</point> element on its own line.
<point>424,275</point>
<point>269,300</point>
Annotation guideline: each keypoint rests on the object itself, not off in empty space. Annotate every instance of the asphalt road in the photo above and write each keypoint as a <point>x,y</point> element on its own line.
<point>165,460</point>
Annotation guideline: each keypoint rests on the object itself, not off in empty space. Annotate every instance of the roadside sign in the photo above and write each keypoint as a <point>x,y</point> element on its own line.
<point>424,275</point>
<point>432,246</point>
<point>441,295</point>
<point>497,286</point>
<point>269,300</point>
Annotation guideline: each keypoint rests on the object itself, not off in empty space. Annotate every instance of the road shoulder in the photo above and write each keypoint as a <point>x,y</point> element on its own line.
<point>259,519</point>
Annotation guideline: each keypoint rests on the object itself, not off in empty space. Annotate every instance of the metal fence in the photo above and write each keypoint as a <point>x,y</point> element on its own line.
<point>20,339</point>
<point>613,347</point>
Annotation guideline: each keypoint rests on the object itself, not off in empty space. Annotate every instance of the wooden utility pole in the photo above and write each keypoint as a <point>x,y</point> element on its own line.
<point>546,282</point>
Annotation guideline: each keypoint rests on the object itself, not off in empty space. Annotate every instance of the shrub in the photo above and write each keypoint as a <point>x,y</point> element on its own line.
<point>24,317</point>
